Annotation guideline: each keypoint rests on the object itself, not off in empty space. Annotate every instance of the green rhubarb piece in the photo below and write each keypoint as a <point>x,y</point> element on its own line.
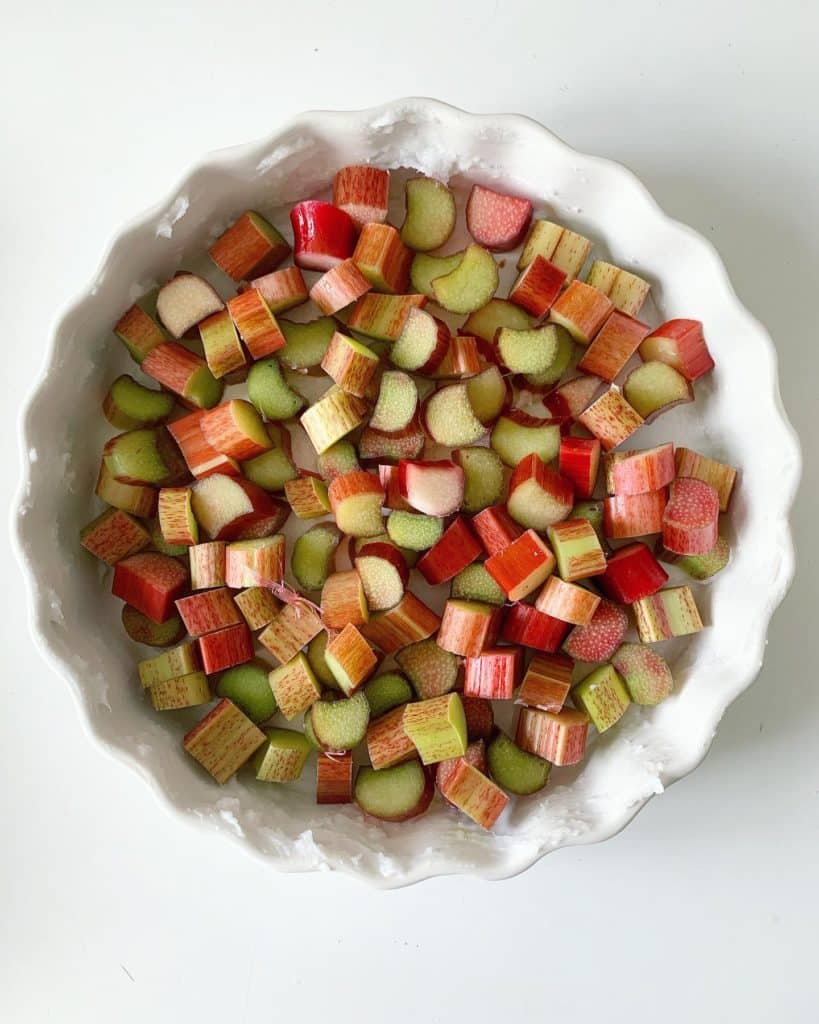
<point>430,218</point>
<point>437,727</point>
<point>270,393</point>
<point>647,676</point>
<point>318,663</point>
<point>450,419</point>
<point>514,441</point>
<point>392,794</point>
<point>431,670</point>
<point>488,394</point>
<point>475,584</point>
<point>483,473</point>
<point>515,770</point>
<point>340,458</point>
<point>180,692</point>
<point>307,343</point>
<point>154,634</point>
<point>145,456</point>
<point>309,733</point>
<point>386,692</point>
<point>340,725</point>
<point>603,696</point>
<point>563,356</point>
<point>159,542</point>
<point>397,401</point>
<point>129,405</point>
<point>202,389</point>
<point>312,559</point>
<point>178,661</point>
<point>138,330</point>
<point>485,322</point>
<point>414,530</point>
<point>666,614</point>
<point>655,386</point>
<point>576,548</point>
<point>282,757</point>
<point>470,285</point>
<point>425,269</point>
<point>531,351</point>
<point>248,687</point>
<point>593,512</point>
<point>702,567</point>
<point>274,468</point>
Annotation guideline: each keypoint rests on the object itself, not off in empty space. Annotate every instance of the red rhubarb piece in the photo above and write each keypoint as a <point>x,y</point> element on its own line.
<point>524,624</point>
<point>537,287</point>
<point>618,340</point>
<point>435,488</point>
<point>681,344</point>
<point>323,235</point>
<point>493,674</point>
<point>601,637</point>
<point>497,221</point>
<point>363,193</point>
<point>691,518</point>
<point>632,572</point>
<point>226,648</point>
<point>151,583</point>
<point>579,461</point>
<point>480,718</point>
<point>633,515</point>
<point>495,528</point>
<point>573,397</point>
<point>638,472</point>
<point>457,548</point>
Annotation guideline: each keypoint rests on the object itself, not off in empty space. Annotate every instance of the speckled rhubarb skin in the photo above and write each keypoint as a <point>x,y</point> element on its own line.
<point>611,419</point>
<point>223,741</point>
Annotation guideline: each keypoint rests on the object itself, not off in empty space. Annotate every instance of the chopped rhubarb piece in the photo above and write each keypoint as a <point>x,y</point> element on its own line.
<point>363,193</point>
<point>184,301</point>
<point>176,520</point>
<point>577,549</point>
<point>250,246</point>
<point>383,317</point>
<point>256,323</point>
<point>631,573</point>
<point>633,515</point>
<point>462,358</point>
<point>558,737</point>
<point>435,488</point>
<point>137,499</point>
<point>338,287</point>
<point>489,394</point>
<point>179,661</point>
<point>495,528</point>
<point>573,397</point>
<point>283,756</point>
<point>475,584</point>
<point>332,417</point>
<point>226,648</point>
<point>579,462</point>
<point>248,687</point>
<point>567,601</point>
<point>334,778</point>
<point>485,322</point>
<point>484,482</point>
<point>394,794</point>
<point>473,793</point>
<point>184,373</point>
<point>293,628</point>
<point>497,221</point>
<point>437,727</point>
<point>582,310</point>
<point>691,517</point>
<point>611,419</point>
<point>530,352</point>
<point>395,445</point>
<point>456,549</point>
<point>282,290</point>
<point>681,344</point>
<point>538,496</point>
<point>430,215</point>
<point>467,627</point>
<point>323,235</point>
<point>294,686</point>
<point>343,600</point>
<point>139,332</point>
<point>641,471</point>
<point>202,458</point>
<point>255,563</point>
<point>223,741</point>
<point>565,248</point>
<point>700,567</point>
<point>388,475</point>
<point>383,259</point>
<point>422,343</point>
<point>356,499</point>
<point>720,476</point>
<point>314,555</point>
<point>603,696</point>
<point>409,622</point>
<point>654,388</point>
<point>480,718</point>
<point>493,674</point>
<point>258,606</point>
<point>538,287</point>
<point>339,459</point>
<point>113,536</point>
<point>221,344</point>
<point>128,405</point>
<point>230,508</point>
<point>350,364</point>
<point>397,402</point>
<point>647,676</point>
<point>386,692</point>
<point>307,496</point>
<point>387,742</point>
<point>470,285</point>
<point>601,637</point>
<point>350,658</point>
<point>208,611</point>
<point>151,583</point>
<point>667,614</point>
<point>431,670</point>
<point>547,682</point>
<point>516,770</point>
<point>384,574</point>
<point>475,755</point>
<point>524,624</point>
<point>181,692</point>
<point>143,630</point>
<point>615,343</point>
<point>235,429</point>
<point>522,566</point>
<point>626,290</point>
<point>450,419</point>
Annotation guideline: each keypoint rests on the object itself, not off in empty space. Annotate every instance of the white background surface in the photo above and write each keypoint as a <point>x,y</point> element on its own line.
<point>706,907</point>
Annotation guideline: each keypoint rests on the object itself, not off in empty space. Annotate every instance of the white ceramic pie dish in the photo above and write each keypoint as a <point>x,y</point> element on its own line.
<point>738,417</point>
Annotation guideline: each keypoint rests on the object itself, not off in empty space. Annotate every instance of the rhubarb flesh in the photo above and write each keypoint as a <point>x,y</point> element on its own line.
<point>516,770</point>
<point>248,687</point>
<point>430,215</point>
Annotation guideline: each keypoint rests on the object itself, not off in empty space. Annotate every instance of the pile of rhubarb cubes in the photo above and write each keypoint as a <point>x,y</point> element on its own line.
<point>473,442</point>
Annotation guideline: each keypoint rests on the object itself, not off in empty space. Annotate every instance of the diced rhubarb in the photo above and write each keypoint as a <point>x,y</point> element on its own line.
<point>350,658</point>
<point>350,364</point>
<point>691,518</point>
<point>538,287</point>
<point>603,696</point>
<point>388,475</point>
<point>681,344</point>
<point>151,583</point>
<point>524,624</point>
<point>422,343</point>
<point>332,417</point>
<point>294,686</point>
<point>395,445</point>
<point>230,508</point>
<point>307,496</point>
<point>409,622</point>
<point>207,563</point>
<point>558,737</point>
<point>226,648</point>
<point>522,566</point>
<point>208,611</point>
<point>235,429</point>
<point>719,475</point>
<point>547,682</point>
<point>495,220</point>
<point>258,606</point>
<point>383,317</point>
<point>384,574</point>
<point>343,600</point>
<point>567,601</point>
<point>456,549</point>
<point>480,718</point>
<point>113,536</point>
<point>334,778</point>
<point>282,290</point>
<point>647,676</point>
<point>667,614</point>
<point>699,567</point>
<point>640,471</point>
<point>363,193</point>
<point>184,373</point>
<point>573,397</point>
<point>654,388</point>
<point>256,323</point>
<point>202,458</point>
<point>616,342</point>
<point>430,215</point>
<point>631,573</point>
<point>577,549</point>
<point>493,674</point>
<point>323,235</point>
<point>601,637</point>
<point>255,563</point>
<point>221,344</point>
<point>565,248</point>
<point>538,496</point>
<point>184,301</point>
<point>579,462</point>
<point>435,488</point>
<point>582,310</point>
<point>611,419</point>
<point>250,246</point>
<point>437,727</point>
<point>293,628</point>
<point>383,258</point>
<point>223,741</point>
<point>495,528</point>
<point>626,290</point>
<point>139,332</point>
<point>338,287</point>
<point>475,755</point>
<point>473,793</point>
<point>633,515</point>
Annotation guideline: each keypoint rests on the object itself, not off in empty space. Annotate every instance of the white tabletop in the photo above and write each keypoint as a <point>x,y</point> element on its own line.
<point>705,908</point>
